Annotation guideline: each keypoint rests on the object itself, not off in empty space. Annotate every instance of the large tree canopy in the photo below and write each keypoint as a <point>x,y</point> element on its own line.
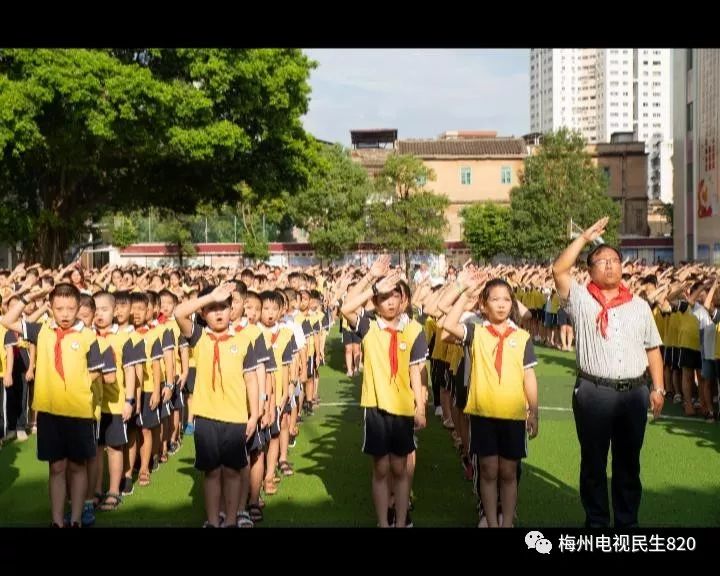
<point>85,132</point>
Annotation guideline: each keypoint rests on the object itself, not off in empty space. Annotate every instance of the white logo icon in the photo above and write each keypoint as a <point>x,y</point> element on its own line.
<point>536,540</point>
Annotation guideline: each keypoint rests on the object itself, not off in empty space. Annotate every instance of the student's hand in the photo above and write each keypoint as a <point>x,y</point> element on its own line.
<point>182,380</point>
<point>154,400</point>
<point>265,420</point>
<point>223,292</point>
<point>420,421</point>
<point>596,230</point>
<point>251,426</point>
<point>166,394</point>
<point>388,283</point>
<point>30,375</point>
<point>531,424</point>
<point>380,266</point>
<point>7,382</point>
<point>127,412</point>
<point>657,401</point>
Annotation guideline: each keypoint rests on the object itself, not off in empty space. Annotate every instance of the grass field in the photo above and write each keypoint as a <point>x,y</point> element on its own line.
<point>331,487</point>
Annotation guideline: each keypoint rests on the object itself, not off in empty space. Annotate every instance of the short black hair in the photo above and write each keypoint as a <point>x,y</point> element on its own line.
<point>600,247</point>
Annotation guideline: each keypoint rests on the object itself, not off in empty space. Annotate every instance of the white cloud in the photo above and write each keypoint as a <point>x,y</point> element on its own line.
<point>419,92</point>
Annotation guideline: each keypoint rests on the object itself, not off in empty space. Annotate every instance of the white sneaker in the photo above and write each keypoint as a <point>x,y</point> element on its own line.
<point>438,411</point>
<point>11,436</point>
<point>22,436</point>
<point>677,399</point>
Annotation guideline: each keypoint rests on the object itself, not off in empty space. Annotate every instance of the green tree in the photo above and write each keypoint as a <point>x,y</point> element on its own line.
<point>332,207</point>
<point>120,230</point>
<point>87,132</point>
<point>558,183</point>
<point>256,213</point>
<point>486,230</point>
<point>404,216</point>
<point>174,230</point>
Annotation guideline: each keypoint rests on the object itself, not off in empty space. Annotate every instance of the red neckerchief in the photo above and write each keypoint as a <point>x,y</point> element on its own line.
<point>624,296</point>
<point>216,354</point>
<point>501,342</point>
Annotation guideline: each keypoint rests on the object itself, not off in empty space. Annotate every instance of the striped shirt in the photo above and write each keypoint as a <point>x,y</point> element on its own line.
<point>631,331</point>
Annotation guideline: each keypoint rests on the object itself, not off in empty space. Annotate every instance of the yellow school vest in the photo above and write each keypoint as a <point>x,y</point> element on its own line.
<point>73,396</point>
<point>379,389</point>
<point>488,395</point>
<point>227,401</point>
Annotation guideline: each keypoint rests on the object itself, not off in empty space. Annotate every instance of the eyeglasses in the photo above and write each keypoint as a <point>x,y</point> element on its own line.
<point>606,261</point>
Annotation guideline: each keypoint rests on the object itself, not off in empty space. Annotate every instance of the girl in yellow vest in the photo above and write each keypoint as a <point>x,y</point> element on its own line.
<point>502,397</point>
<point>394,348</point>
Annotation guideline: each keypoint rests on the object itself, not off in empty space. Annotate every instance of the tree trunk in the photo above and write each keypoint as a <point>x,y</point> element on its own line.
<point>406,256</point>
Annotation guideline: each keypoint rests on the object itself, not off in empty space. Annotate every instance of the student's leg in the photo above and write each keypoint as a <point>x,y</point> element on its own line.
<point>381,496</point>
<point>189,413</point>
<point>92,478</point>
<point>146,455</point>
<point>244,483</point>
<point>571,338</point>
<point>115,468</point>
<point>130,450</point>
<point>58,491</point>
<point>489,489</point>
<point>687,390</point>
<point>357,357</point>
<point>350,369</point>
<point>508,490</point>
<point>156,444</point>
<point>231,491</point>
<point>212,488</point>
<point>78,488</point>
<point>564,337</point>
<point>284,437</point>
<point>401,487</point>
<point>272,460</point>
<point>24,417</point>
<point>257,474</point>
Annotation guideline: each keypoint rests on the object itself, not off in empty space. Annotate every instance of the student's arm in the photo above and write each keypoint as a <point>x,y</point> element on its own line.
<point>109,367</point>
<point>11,320</point>
<point>452,328</point>
<point>95,362</point>
<point>35,316</point>
<point>168,344</point>
<point>418,354</point>
<point>531,396</point>
<point>251,385</point>
<point>132,359</point>
<point>186,308</point>
<point>184,362</point>
<point>710,296</point>
<point>564,263</point>
<point>32,353</point>
<point>362,291</point>
<point>10,359</point>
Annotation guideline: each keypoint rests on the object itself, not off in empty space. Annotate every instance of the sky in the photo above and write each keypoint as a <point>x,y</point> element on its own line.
<point>422,93</point>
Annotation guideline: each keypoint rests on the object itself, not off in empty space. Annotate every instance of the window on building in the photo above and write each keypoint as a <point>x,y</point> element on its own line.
<point>505,175</point>
<point>465,175</point>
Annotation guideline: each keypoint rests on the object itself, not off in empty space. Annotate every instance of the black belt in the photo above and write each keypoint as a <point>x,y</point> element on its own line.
<point>622,385</point>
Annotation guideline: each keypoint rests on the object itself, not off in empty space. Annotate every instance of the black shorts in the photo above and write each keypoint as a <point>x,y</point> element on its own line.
<point>190,383</point>
<point>460,390</point>
<point>259,441</point>
<point>177,400</point>
<point>60,437</point>
<point>274,427</point>
<point>350,337</point>
<point>498,437</point>
<point>667,356</point>
<point>675,356</point>
<point>562,318</point>
<point>311,368</point>
<point>551,319</point>
<point>537,313</point>
<point>438,374</point>
<point>166,408</point>
<point>219,444</point>
<point>147,418</point>
<point>113,431</point>
<point>386,433</point>
<point>690,359</point>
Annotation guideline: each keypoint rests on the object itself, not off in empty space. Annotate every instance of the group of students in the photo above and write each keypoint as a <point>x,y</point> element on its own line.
<point>118,372</point>
<point>233,358</point>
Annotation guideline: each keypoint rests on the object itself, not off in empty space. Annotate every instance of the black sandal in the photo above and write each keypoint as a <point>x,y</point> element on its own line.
<point>107,504</point>
<point>256,513</point>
